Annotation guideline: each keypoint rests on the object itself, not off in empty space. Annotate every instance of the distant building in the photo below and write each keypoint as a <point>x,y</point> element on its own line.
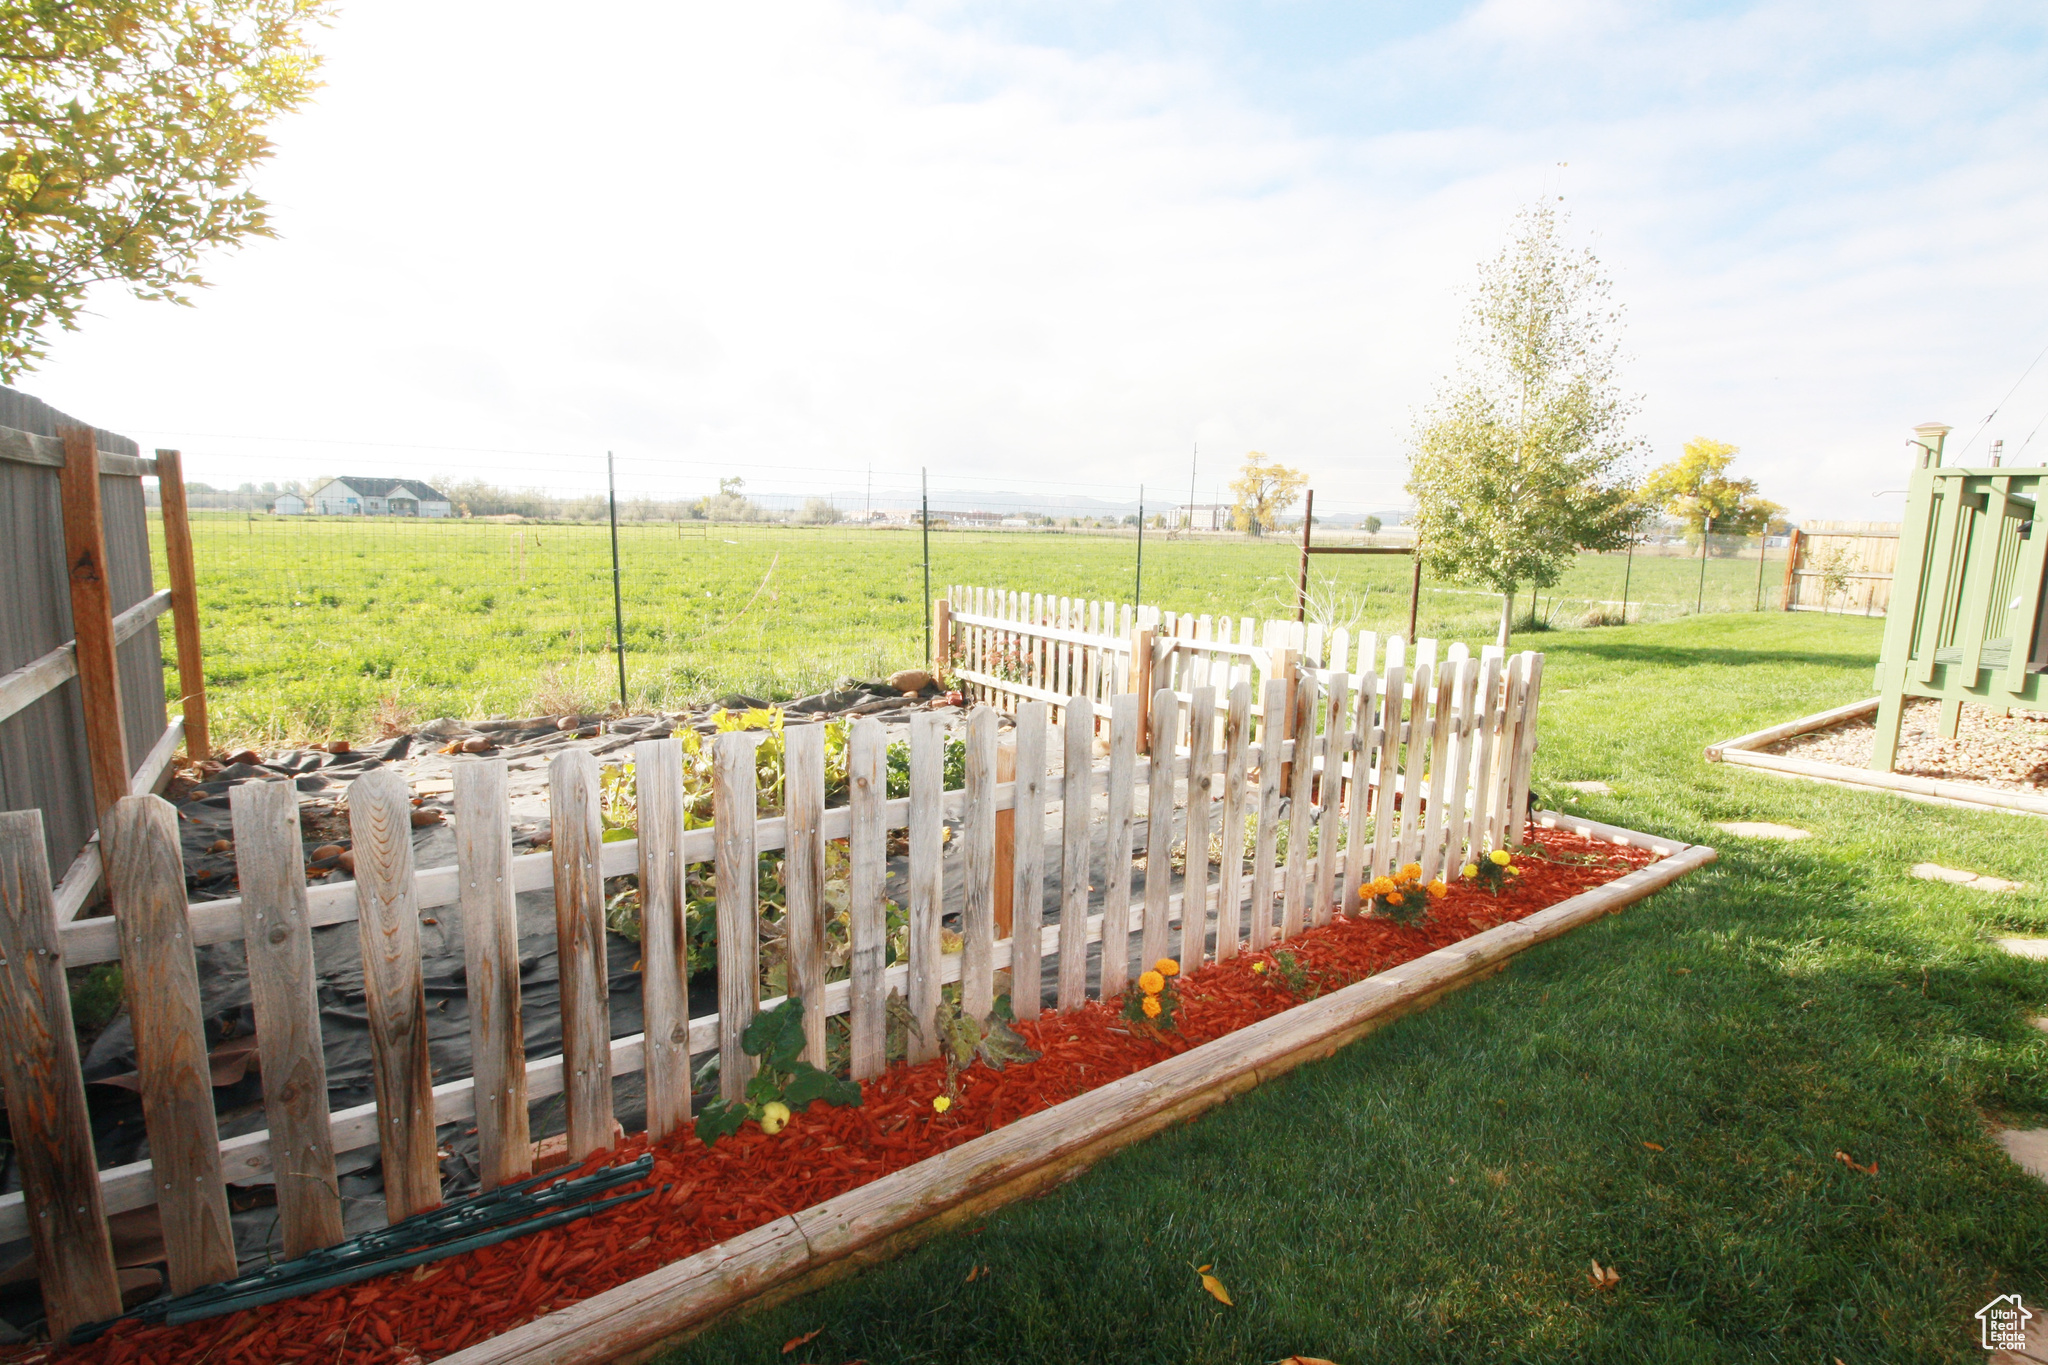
<point>289,505</point>
<point>1202,516</point>
<point>358,497</point>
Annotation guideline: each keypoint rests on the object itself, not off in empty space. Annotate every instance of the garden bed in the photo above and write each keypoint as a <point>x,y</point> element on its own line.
<point>844,1187</point>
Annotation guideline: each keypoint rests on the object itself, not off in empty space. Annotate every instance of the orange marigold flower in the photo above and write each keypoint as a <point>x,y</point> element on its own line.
<point>1151,983</point>
<point>1151,1007</point>
<point>1412,872</point>
<point>1437,888</point>
<point>1166,966</point>
<point>1394,898</point>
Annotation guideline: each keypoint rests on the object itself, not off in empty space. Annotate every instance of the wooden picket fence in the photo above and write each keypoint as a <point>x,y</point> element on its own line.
<point>1455,741</point>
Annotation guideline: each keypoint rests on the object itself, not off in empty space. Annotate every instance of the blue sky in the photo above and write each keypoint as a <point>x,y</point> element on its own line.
<point>1065,241</point>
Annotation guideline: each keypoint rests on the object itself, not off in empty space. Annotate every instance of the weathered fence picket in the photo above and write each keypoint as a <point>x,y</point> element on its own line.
<point>1379,767</point>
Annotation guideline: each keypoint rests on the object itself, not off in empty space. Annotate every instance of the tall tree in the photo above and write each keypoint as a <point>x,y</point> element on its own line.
<point>131,127</point>
<point>1264,492</point>
<point>1523,458</point>
<point>1695,487</point>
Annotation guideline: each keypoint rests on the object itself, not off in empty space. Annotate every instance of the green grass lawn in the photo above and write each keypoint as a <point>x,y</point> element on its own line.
<point>1437,1191</point>
<point>322,628</point>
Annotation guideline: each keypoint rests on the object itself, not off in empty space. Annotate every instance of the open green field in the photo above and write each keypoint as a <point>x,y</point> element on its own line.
<point>1664,1091</point>
<point>323,628</point>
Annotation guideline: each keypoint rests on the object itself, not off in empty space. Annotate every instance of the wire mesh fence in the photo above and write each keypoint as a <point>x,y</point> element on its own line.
<point>523,600</point>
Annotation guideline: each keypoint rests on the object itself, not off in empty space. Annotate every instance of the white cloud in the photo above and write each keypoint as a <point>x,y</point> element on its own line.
<point>743,237</point>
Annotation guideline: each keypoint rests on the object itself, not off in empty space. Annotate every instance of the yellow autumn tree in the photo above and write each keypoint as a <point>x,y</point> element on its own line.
<point>1264,491</point>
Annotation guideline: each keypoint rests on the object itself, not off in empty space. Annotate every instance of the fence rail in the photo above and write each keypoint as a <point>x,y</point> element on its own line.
<point>1455,741</point>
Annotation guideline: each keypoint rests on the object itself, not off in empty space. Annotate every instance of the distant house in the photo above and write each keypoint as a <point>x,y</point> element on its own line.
<point>1202,516</point>
<point>357,497</point>
<point>290,505</point>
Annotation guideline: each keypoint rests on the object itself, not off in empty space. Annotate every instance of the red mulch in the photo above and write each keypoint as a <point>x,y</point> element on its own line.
<point>749,1180</point>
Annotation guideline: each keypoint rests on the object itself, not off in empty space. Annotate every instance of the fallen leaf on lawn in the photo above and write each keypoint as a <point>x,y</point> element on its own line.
<point>1604,1276</point>
<point>795,1342</point>
<point>1214,1286</point>
<point>972,1271</point>
<point>1653,1146</point>
<point>1850,1162</point>
<point>1304,1360</point>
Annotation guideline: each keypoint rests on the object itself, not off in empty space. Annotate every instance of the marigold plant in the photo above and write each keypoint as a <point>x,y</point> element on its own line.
<point>1155,1000</point>
<point>1403,897</point>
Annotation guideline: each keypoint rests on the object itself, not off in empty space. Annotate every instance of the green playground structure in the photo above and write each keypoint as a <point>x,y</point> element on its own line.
<point>1966,622</point>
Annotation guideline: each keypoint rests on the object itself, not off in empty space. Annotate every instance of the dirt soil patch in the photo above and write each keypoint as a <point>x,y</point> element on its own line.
<point>2007,752</point>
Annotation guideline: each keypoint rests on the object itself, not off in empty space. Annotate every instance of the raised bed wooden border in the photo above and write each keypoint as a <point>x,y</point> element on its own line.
<point>880,1220</point>
<point>1745,751</point>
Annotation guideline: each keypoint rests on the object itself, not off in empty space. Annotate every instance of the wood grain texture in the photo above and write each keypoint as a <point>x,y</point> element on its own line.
<point>1363,755</point>
<point>1430,854</point>
<point>1303,713</point>
<point>580,949</point>
<point>1525,746</point>
<point>277,934</point>
<point>1487,705</point>
<point>1027,953</point>
<point>1124,711</point>
<point>1329,793</point>
<point>170,477</point>
<point>490,954</point>
<point>803,880</point>
<point>1143,647</point>
<point>1464,734</point>
<point>1409,846</point>
<point>1075,819</point>
<point>45,1090</point>
<point>1393,727</point>
<point>867,928</point>
<point>92,620</point>
<point>1159,808</point>
<point>978,836</point>
<point>927,877</point>
<point>1006,842</point>
<point>1505,743</point>
<point>733,802</point>
<point>394,988</point>
<point>160,976</point>
<point>1266,842</point>
<point>1201,819</point>
<point>1236,773</point>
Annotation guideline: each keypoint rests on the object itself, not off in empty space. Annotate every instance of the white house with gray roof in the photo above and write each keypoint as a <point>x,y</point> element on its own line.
<point>356,497</point>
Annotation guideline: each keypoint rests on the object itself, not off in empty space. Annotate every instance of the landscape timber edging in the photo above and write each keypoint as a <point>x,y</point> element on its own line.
<point>1744,751</point>
<point>894,1213</point>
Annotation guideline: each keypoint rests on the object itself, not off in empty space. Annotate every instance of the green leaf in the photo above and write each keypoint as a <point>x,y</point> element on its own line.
<point>1002,1044</point>
<point>808,1084</point>
<point>718,1119</point>
<point>776,1035</point>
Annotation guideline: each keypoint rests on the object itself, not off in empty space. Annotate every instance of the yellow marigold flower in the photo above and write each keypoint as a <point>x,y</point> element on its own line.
<point>1394,898</point>
<point>1258,966</point>
<point>1499,857</point>
<point>1412,872</point>
<point>1150,1006</point>
<point>1166,966</point>
<point>774,1117</point>
<point>1469,870</point>
<point>1151,983</point>
<point>1437,888</point>
<point>1514,872</point>
<point>941,1103</point>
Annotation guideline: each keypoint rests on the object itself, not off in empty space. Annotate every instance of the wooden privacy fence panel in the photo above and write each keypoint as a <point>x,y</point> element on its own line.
<point>1842,566</point>
<point>1456,742</point>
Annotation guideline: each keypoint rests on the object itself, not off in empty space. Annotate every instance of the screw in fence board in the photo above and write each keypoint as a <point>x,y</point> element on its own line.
<point>927,878</point>
<point>658,808</point>
<point>170,482</point>
<point>1300,812</point>
<point>1201,821</point>
<point>1075,809</point>
<point>1359,745</point>
<point>1159,825</point>
<point>45,1090</point>
<point>277,935</point>
<point>734,809</point>
<point>160,977</point>
<point>978,835</point>
<point>1124,710</point>
<point>1266,842</point>
<point>1330,785</point>
<point>618,602</point>
<point>92,619</point>
<point>803,880</point>
<point>867,929</point>
<point>490,954</point>
<point>394,988</point>
<point>1236,772</point>
<point>1027,941</point>
<point>580,950</point>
